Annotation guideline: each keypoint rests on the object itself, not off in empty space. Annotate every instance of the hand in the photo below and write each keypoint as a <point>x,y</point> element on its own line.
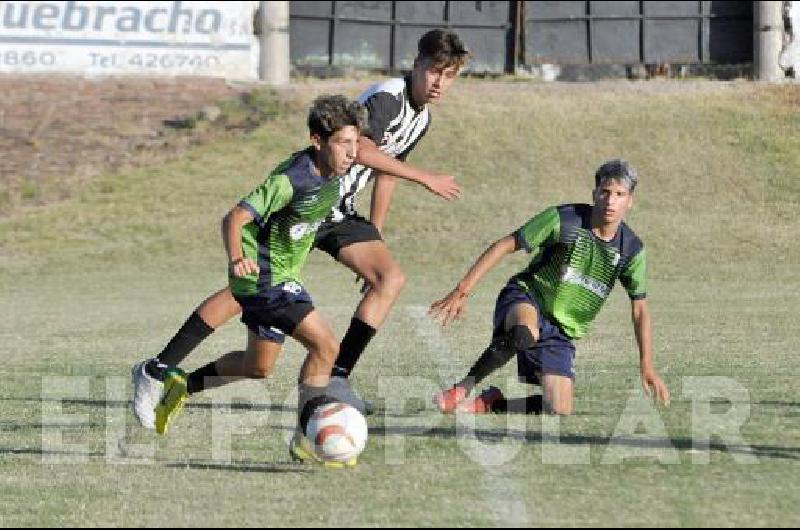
<point>243,267</point>
<point>444,186</point>
<point>652,383</point>
<point>450,307</point>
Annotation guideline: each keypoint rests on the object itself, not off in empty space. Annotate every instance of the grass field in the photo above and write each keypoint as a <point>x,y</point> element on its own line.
<point>89,286</point>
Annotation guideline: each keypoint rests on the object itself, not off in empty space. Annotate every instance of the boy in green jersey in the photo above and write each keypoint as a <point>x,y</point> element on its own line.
<point>268,237</point>
<point>579,251</point>
<point>399,117</point>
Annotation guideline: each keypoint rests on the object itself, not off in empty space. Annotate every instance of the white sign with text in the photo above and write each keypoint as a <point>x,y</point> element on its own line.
<point>140,38</point>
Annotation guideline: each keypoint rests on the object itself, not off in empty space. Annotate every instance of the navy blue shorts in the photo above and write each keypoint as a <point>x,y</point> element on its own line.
<point>553,353</point>
<point>276,313</point>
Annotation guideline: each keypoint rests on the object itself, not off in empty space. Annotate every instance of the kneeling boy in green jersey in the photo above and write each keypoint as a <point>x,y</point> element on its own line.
<point>579,252</point>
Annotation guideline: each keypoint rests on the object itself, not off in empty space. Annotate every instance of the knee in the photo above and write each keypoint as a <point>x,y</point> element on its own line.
<point>261,368</point>
<point>522,338</point>
<point>392,280</point>
<point>326,350</point>
<point>330,349</point>
<point>563,408</point>
<point>261,371</point>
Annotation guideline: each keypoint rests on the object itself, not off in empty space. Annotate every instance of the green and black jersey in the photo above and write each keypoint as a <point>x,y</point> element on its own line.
<point>288,208</point>
<point>573,271</point>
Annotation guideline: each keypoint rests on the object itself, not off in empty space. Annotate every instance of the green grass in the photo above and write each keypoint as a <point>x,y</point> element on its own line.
<point>93,284</point>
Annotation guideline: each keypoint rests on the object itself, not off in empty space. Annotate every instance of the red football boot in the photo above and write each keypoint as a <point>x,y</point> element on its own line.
<point>448,400</point>
<point>483,403</point>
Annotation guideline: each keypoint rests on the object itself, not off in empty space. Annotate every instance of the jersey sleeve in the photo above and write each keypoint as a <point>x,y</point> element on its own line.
<point>383,108</point>
<point>634,276</point>
<point>271,196</point>
<point>542,230</point>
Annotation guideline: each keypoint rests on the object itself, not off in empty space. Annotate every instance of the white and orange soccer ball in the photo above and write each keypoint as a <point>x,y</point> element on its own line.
<point>338,432</point>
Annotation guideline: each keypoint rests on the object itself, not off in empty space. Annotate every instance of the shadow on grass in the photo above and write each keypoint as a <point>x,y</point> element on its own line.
<point>497,435</point>
<point>242,466</point>
<point>778,403</point>
<point>103,404</point>
<point>35,451</point>
<point>9,426</point>
<point>253,407</point>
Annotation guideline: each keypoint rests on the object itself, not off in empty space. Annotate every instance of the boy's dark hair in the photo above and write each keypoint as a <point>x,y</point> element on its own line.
<point>328,114</point>
<point>444,48</point>
<point>617,169</point>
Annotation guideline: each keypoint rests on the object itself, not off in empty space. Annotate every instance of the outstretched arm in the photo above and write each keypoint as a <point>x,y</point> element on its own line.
<point>453,305</point>
<point>642,324</point>
<point>440,184</point>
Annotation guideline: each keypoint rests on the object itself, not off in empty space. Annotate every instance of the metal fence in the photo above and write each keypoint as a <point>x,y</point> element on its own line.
<point>505,35</point>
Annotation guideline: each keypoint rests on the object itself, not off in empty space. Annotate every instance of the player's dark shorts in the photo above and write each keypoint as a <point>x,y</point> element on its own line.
<point>333,236</point>
<point>553,353</point>
<point>276,313</point>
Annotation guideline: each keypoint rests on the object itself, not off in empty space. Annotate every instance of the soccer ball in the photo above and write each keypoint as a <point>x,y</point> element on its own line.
<point>338,432</point>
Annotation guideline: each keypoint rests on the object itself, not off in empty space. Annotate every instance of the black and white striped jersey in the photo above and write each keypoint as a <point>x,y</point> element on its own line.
<point>395,126</point>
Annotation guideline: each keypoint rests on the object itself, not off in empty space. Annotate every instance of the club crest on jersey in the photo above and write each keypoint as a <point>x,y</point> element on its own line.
<point>293,287</point>
<point>299,231</point>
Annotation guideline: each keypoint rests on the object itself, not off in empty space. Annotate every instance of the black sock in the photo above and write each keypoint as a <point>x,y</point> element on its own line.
<point>192,333</point>
<point>494,357</point>
<point>500,351</point>
<point>353,345</point>
<point>196,382</point>
<point>529,405</point>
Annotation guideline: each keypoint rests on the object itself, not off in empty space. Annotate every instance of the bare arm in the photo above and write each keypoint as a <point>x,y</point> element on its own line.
<point>642,325</point>
<point>369,155</point>
<point>452,306</point>
<point>382,193</point>
<point>232,225</point>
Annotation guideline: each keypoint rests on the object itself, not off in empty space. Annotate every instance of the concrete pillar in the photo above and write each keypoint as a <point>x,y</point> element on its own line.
<point>768,36</point>
<point>274,64</point>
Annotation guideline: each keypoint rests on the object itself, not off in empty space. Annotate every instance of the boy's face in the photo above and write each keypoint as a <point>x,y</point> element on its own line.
<point>612,200</point>
<point>338,152</point>
<point>432,81</point>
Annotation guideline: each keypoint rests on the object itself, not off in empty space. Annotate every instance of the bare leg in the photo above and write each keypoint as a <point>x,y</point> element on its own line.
<point>315,334</point>
<point>373,261</point>
<point>557,390</point>
<point>219,308</point>
<point>256,362</point>
<point>212,313</point>
<point>558,394</point>
<point>525,315</point>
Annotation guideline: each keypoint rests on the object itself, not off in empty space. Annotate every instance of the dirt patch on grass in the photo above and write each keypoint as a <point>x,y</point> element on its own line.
<point>58,132</point>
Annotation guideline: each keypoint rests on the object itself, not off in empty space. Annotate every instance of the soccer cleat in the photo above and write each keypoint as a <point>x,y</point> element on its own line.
<point>301,450</point>
<point>147,394</point>
<point>483,403</point>
<point>175,395</point>
<point>340,389</point>
<point>448,400</point>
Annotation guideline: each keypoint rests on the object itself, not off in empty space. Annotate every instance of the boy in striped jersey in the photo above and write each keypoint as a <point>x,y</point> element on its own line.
<point>579,251</point>
<point>398,119</point>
